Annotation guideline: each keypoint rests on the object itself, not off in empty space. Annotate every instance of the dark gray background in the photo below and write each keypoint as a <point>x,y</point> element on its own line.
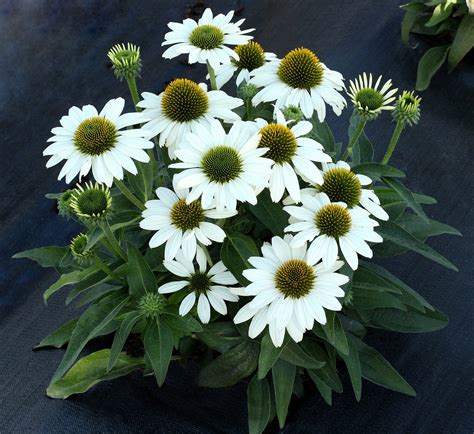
<point>53,56</point>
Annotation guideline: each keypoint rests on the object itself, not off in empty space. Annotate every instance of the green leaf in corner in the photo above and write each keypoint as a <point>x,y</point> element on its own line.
<point>409,20</point>
<point>270,213</point>
<point>395,233</point>
<point>429,64</point>
<point>377,170</point>
<point>406,195</point>
<point>440,13</point>
<point>50,256</point>
<point>140,278</point>
<point>91,370</point>
<point>258,404</point>
<point>335,332</point>
<point>422,230</point>
<point>68,279</point>
<point>324,389</point>
<point>296,355</point>
<point>269,354</point>
<point>59,337</point>
<point>378,370</point>
<point>463,41</point>
<point>283,374</point>
<point>353,368</point>
<point>158,342</point>
<point>235,251</point>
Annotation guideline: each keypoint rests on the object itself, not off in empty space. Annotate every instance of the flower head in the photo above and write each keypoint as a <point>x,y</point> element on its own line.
<point>250,57</point>
<point>407,108</point>
<point>332,225</point>
<point>152,304</point>
<point>209,287</point>
<point>341,184</point>
<point>300,79</point>
<point>289,291</point>
<point>89,140</point>
<point>79,250</point>
<point>292,154</point>
<point>179,224</point>
<point>126,61</point>
<point>91,202</point>
<point>207,40</point>
<point>368,100</point>
<point>181,108</point>
<point>223,168</point>
<point>64,203</point>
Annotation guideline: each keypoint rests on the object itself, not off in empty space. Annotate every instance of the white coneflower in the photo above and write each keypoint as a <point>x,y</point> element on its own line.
<point>368,100</point>
<point>180,225</point>
<point>300,79</point>
<point>343,185</point>
<point>289,291</point>
<point>210,288</point>
<point>331,226</point>
<point>221,168</point>
<point>207,40</point>
<point>251,56</point>
<point>89,140</point>
<point>181,107</point>
<point>292,153</point>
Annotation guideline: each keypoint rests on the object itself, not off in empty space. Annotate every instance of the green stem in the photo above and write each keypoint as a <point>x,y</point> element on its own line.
<point>393,142</point>
<point>208,257</point>
<point>129,195</point>
<point>113,241</point>
<point>105,268</point>
<point>212,76</point>
<point>354,139</point>
<point>249,108</point>
<point>132,85</point>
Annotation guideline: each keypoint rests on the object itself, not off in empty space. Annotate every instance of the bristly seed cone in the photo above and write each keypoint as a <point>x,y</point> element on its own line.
<point>301,69</point>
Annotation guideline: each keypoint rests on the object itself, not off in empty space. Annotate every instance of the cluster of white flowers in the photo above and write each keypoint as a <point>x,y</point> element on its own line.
<point>219,166</point>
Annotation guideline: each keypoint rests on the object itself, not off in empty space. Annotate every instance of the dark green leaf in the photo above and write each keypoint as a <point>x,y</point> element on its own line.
<point>463,41</point>
<point>271,214</point>
<point>269,354</point>
<point>429,64</point>
<point>362,151</point>
<point>50,256</point>
<point>229,368</point>
<point>186,323</point>
<point>395,233</point>
<point>422,230</point>
<point>91,370</point>
<point>235,251</point>
<point>59,337</point>
<point>377,170</point>
<point>121,336</point>
<point>293,353</point>
<point>142,182</point>
<point>353,367</point>
<point>376,369</point>
<point>367,300</point>
<point>220,336</point>
<point>258,404</point>
<point>323,134</point>
<point>91,322</point>
<point>406,195</point>
<point>409,19</point>
<point>97,233</point>
<point>140,278</point>
<point>158,342</point>
<point>440,13</point>
<point>283,375</point>
<point>324,389</point>
<point>335,333</point>
<point>68,279</point>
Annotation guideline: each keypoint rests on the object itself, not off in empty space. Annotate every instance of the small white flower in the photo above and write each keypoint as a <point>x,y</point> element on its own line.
<point>180,225</point>
<point>369,101</point>
<point>181,107</point>
<point>343,185</point>
<point>288,148</point>
<point>300,79</point>
<point>251,56</point>
<point>89,140</point>
<point>289,291</point>
<point>223,168</point>
<point>207,40</point>
<point>331,226</point>
<point>210,288</point>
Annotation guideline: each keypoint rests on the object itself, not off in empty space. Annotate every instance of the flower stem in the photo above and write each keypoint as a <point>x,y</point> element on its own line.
<point>132,85</point>
<point>113,241</point>
<point>354,139</point>
<point>249,108</point>
<point>208,257</point>
<point>212,76</point>
<point>393,142</point>
<point>129,195</point>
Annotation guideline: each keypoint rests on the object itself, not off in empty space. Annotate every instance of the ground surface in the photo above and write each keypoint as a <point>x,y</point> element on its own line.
<point>53,55</point>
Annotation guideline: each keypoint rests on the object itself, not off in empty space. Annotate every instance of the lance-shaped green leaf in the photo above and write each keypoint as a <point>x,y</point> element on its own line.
<point>269,354</point>
<point>377,170</point>
<point>49,256</point>
<point>283,374</point>
<point>378,370</point>
<point>429,64</point>
<point>220,336</point>
<point>395,233</point>
<point>121,336</point>
<point>463,41</point>
<point>140,278</point>
<point>59,337</point>
<point>324,389</point>
<point>91,370</point>
<point>294,353</point>
<point>258,405</point>
<point>68,279</point>
<point>424,229</point>
<point>353,367</point>
<point>91,322</point>
<point>158,342</point>
<point>335,332</point>
<point>270,214</point>
<point>406,195</point>
<point>235,251</point>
